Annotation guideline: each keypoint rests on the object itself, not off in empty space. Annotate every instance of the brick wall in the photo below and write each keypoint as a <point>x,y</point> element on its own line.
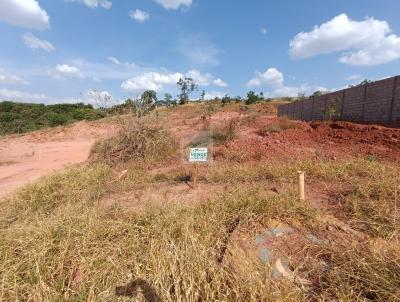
<point>375,102</point>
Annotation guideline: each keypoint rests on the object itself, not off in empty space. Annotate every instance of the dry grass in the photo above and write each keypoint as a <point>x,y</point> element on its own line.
<point>59,245</point>
<point>281,124</point>
<point>59,242</point>
<point>227,132</point>
<point>138,140</point>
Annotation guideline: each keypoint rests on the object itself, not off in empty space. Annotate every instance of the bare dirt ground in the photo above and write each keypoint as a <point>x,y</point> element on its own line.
<point>26,158</point>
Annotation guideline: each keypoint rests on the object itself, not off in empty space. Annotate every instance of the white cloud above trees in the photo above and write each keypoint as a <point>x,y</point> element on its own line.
<point>364,43</point>
<point>273,80</point>
<point>158,81</point>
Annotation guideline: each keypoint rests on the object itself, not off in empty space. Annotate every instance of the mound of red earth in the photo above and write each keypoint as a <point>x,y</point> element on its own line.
<point>316,139</point>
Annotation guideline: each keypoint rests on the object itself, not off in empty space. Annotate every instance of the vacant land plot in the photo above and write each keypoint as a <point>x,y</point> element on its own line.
<point>127,226</point>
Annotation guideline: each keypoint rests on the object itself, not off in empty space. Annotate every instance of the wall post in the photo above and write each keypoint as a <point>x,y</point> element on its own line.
<point>363,102</point>
<point>393,98</point>
<point>342,108</point>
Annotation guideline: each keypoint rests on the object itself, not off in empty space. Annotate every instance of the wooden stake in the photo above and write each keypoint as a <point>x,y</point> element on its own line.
<point>196,168</point>
<point>301,185</point>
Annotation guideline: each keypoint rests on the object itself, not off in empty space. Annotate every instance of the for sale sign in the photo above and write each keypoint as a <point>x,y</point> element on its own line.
<point>198,154</point>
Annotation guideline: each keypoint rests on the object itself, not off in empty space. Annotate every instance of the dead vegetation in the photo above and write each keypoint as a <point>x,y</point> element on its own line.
<point>137,140</point>
<point>227,132</point>
<point>87,234</point>
<point>281,124</point>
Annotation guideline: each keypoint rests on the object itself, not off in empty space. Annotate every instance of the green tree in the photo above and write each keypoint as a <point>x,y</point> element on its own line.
<point>203,95</point>
<point>187,86</point>
<point>147,102</point>
<point>252,98</point>
<point>168,99</point>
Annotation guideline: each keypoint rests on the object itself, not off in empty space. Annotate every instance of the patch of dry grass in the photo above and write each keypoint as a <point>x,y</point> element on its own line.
<point>138,140</point>
<point>281,124</point>
<point>227,132</point>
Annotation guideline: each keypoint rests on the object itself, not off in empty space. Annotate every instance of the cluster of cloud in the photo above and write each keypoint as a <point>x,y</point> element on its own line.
<point>94,3</point>
<point>11,79</point>
<point>364,43</point>
<point>15,95</point>
<point>158,80</point>
<point>167,4</point>
<point>139,15</point>
<point>174,4</point>
<point>273,79</point>
<point>27,14</point>
<point>65,70</point>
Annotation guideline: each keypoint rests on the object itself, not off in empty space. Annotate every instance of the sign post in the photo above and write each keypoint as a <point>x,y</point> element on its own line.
<point>196,156</point>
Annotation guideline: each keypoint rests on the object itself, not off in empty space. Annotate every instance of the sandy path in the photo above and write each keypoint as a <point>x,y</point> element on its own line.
<point>26,158</point>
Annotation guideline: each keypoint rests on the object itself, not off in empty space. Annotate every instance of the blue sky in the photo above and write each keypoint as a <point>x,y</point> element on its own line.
<point>74,50</point>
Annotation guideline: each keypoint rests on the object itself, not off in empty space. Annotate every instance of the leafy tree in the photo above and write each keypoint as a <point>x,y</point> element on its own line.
<point>225,99</point>
<point>317,93</point>
<point>168,99</point>
<point>147,101</point>
<point>362,83</point>
<point>252,98</point>
<point>203,95</point>
<point>24,117</point>
<point>187,86</point>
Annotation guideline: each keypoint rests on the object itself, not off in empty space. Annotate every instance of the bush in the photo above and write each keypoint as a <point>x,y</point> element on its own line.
<point>137,140</point>
<point>22,117</point>
<point>228,132</point>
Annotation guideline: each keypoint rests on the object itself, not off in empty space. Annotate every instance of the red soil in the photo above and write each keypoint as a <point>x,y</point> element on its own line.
<point>315,139</point>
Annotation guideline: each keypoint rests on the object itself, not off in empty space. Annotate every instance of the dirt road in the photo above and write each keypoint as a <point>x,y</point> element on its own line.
<point>26,158</point>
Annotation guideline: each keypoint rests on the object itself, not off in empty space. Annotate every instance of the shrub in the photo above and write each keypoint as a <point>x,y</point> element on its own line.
<point>137,140</point>
<point>228,132</point>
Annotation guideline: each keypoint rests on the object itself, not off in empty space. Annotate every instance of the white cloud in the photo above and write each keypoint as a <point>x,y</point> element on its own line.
<point>174,4</point>
<point>364,43</point>
<point>15,95</point>
<point>94,3</point>
<point>34,42</point>
<point>98,98</point>
<point>26,13</point>
<point>273,79</point>
<point>158,80</point>
<point>220,83</point>
<point>354,77</point>
<point>118,62</point>
<point>264,30</point>
<point>69,71</point>
<point>213,95</point>
<point>139,15</point>
<point>199,50</point>
<point>150,81</point>
<point>11,79</point>
<point>199,78</point>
